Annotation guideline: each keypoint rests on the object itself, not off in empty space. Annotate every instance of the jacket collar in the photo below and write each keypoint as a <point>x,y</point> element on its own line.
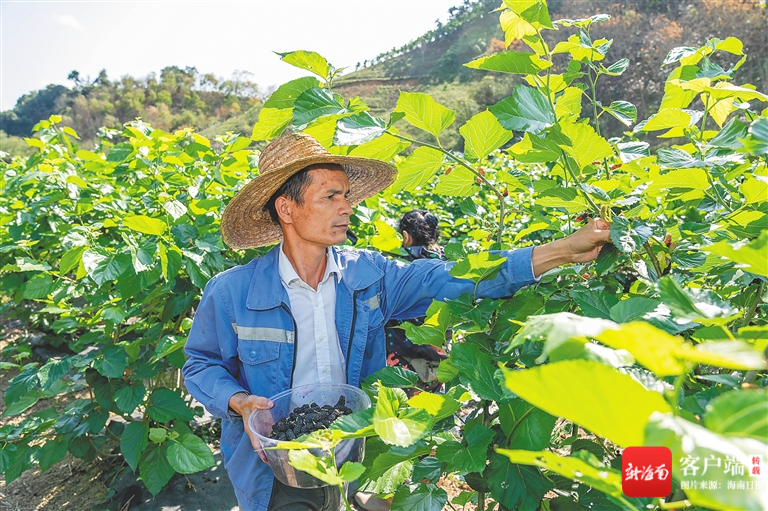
<point>267,292</point>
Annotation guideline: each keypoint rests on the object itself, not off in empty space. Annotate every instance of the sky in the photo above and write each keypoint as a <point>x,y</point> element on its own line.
<point>42,41</point>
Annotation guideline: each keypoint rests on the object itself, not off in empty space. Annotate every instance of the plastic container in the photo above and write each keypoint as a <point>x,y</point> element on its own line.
<point>261,422</point>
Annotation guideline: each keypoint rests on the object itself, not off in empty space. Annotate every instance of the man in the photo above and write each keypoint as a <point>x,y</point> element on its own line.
<point>308,313</point>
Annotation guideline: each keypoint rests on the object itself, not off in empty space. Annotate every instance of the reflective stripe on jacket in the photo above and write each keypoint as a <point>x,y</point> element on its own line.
<point>242,337</point>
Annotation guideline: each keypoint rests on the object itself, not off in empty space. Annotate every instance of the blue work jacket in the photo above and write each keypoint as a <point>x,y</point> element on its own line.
<point>243,335</point>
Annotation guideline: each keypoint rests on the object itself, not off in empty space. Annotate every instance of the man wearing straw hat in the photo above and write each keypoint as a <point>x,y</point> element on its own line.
<point>307,313</point>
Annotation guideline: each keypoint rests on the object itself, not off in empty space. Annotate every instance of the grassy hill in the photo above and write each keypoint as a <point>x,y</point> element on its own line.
<point>643,31</point>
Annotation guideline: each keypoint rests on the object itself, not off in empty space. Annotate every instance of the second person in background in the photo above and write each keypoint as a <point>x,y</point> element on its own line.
<point>420,235</point>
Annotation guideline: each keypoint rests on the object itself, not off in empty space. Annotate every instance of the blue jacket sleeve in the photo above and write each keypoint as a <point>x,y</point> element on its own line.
<point>410,288</point>
<point>212,366</point>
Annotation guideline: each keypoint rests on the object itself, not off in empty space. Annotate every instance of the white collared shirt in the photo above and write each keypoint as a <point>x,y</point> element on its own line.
<point>318,354</point>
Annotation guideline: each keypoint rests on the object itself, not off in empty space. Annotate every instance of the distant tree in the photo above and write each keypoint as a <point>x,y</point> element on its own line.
<point>102,78</point>
<point>29,109</point>
<point>74,76</point>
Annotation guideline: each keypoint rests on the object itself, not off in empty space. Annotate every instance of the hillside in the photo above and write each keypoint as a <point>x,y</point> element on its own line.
<point>642,31</point>
<point>175,99</point>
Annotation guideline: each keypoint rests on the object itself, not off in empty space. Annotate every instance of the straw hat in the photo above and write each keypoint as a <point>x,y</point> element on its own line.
<point>245,222</point>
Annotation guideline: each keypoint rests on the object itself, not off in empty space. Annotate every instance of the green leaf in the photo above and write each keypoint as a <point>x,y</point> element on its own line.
<point>469,458</point>
<point>105,266</point>
<point>22,404</point>
<point>617,68</point>
<point>510,62</point>
<point>113,364</point>
<point>386,457</point>
<point>190,454</point>
<point>351,471</point>
<point>741,413</point>
<point>319,467</point>
<point>154,469</point>
<point>459,183</point>
<point>534,12</point>
<point>271,123</point>
<point>175,208</point>
<point>666,119</point>
<point>356,425</point>
<point>558,328</point>
<point>167,345</point>
<point>595,304</point>
<point>386,239</point>
<point>477,370</point>
<point>309,61</point>
<point>52,452</point>
<point>632,309</point>
<point>424,112</point>
<point>729,136</point>
<point>482,135</point>
<point>358,129</point>
<point>526,426</point>
<point>425,497</point>
<point>39,286</point>
<point>695,304</point>
<point>145,224</point>
<point>406,429</point>
<point>566,198</point>
<point>478,267</point>
<point>752,256</point>
<point>383,148</point>
<point>535,149</point>
<point>585,145</point>
<point>166,405</point>
<point>133,441</point>
<point>756,143</point>
<point>120,152</point>
<point>631,151</point>
<point>71,259</point>
<point>582,48</point>
<point>624,111</point>
<point>53,371</point>
<point>584,392</point>
<point>526,109</point>
<point>651,347</point>
<point>629,236</point>
<point>678,53</point>
<point>114,314</point>
<point>729,354</point>
<point>568,104</point>
<point>393,377</point>
<point>158,435</point>
<point>315,103</point>
<point>674,158</point>
<point>285,96</point>
<point>433,330</point>
<point>584,468</point>
<point>439,406</point>
<point>428,469</point>
<point>690,441</point>
<point>516,486</point>
<point>754,189</point>
<point>22,384</point>
<point>417,169</point>
<point>129,396</point>
<point>695,179</point>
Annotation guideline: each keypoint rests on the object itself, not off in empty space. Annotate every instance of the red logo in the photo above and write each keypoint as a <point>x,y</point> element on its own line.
<point>646,472</point>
